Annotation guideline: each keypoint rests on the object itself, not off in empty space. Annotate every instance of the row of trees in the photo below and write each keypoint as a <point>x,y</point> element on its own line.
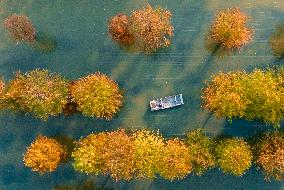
<point>143,154</point>
<point>149,29</point>
<point>257,95</point>
<point>46,94</point>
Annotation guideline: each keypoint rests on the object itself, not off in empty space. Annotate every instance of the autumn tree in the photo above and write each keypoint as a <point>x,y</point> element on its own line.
<point>234,156</point>
<point>176,160</point>
<point>20,28</point>
<point>88,153</point>
<point>118,156</point>
<point>118,28</point>
<point>229,28</point>
<point>44,155</point>
<point>201,151</point>
<point>148,153</point>
<point>96,95</point>
<point>38,92</point>
<point>151,28</point>
<point>270,155</point>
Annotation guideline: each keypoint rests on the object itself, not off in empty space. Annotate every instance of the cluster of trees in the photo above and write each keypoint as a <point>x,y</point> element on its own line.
<point>253,96</point>
<point>141,154</point>
<point>147,29</point>
<point>46,94</point>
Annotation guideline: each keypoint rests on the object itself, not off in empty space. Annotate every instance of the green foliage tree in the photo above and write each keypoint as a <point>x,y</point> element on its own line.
<point>201,151</point>
<point>229,28</point>
<point>38,92</point>
<point>20,28</point>
<point>44,155</point>
<point>176,161</point>
<point>96,95</point>
<point>270,155</point>
<point>254,96</point>
<point>233,156</point>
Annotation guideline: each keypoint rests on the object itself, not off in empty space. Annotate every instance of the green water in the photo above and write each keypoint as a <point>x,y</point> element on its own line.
<point>75,33</point>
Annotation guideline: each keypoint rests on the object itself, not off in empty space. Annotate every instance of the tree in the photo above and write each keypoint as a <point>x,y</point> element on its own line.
<point>44,155</point>
<point>233,156</point>
<point>270,155</point>
<point>118,28</point>
<point>229,28</point>
<point>88,153</point>
<point>201,151</point>
<point>148,152</point>
<point>20,28</point>
<point>176,161</point>
<point>38,92</point>
<point>96,95</point>
<point>225,96</point>
<point>151,28</point>
<point>118,156</point>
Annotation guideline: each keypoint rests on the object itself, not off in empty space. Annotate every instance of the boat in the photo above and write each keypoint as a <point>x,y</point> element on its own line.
<point>166,102</point>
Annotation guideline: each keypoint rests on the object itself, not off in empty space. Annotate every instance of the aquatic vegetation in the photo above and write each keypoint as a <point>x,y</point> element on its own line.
<point>270,155</point>
<point>38,92</point>
<point>201,151</point>
<point>276,41</point>
<point>44,42</point>
<point>118,28</point>
<point>176,161</point>
<point>20,28</point>
<point>148,151</point>
<point>229,28</point>
<point>233,156</point>
<point>253,96</point>
<point>96,95</point>
<point>151,28</point>
<point>44,155</point>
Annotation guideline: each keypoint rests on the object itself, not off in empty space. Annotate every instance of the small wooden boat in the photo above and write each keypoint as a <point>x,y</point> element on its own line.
<point>166,102</point>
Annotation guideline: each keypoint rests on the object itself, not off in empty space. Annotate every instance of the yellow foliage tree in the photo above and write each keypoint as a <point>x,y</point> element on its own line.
<point>176,161</point>
<point>96,95</point>
<point>148,152</point>
<point>44,155</point>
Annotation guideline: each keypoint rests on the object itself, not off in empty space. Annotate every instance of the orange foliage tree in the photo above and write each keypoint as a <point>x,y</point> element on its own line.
<point>151,28</point>
<point>270,155</point>
<point>176,161</point>
<point>118,28</point>
<point>20,28</point>
<point>229,28</point>
<point>44,155</point>
<point>118,156</point>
